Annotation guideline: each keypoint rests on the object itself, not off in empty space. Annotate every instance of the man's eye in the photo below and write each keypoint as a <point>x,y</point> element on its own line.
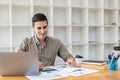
<point>44,27</point>
<point>39,28</point>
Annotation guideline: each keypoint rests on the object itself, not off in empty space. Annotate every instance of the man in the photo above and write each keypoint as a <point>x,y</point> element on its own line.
<point>46,47</point>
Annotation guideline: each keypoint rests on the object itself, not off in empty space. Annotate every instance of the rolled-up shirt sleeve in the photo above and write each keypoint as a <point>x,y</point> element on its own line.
<point>21,47</point>
<point>63,53</point>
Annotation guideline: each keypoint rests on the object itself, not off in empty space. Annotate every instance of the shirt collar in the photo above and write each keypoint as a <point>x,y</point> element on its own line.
<point>38,42</point>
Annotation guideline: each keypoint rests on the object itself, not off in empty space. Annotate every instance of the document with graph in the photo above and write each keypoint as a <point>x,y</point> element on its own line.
<point>54,72</point>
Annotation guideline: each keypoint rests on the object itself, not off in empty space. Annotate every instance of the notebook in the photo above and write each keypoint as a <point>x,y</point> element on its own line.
<point>18,63</point>
<point>95,62</point>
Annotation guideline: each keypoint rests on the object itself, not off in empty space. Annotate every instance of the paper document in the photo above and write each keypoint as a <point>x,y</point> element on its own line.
<point>54,72</point>
<point>73,71</point>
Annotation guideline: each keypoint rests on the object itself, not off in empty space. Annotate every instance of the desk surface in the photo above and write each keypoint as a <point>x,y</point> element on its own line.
<point>103,74</point>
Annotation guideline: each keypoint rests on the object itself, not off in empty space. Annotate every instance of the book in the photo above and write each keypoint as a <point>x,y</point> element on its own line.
<point>95,62</point>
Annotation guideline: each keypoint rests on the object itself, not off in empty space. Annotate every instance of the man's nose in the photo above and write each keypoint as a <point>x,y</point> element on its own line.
<point>42,30</point>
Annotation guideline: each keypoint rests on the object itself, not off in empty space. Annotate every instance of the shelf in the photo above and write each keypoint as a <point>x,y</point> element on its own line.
<point>60,16</point>
<point>79,16</point>
<point>4,25</point>
<point>95,3</point>
<point>110,17</point>
<point>95,17</point>
<point>62,33</point>
<point>78,43</point>
<point>95,26</point>
<point>95,34</point>
<point>5,36</point>
<point>21,4</point>
<point>78,26</point>
<point>110,26</point>
<point>24,15</point>
<point>94,43</point>
<point>42,2</point>
<point>4,2</point>
<point>60,3</point>
<point>21,1</point>
<point>119,18</point>
<point>95,52</point>
<point>110,42</point>
<point>21,25</point>
<point>77,35</point>
<point>110,34</point>
<point>79,3</point>
<point>4,15</point>
<point>20,35</point>
<point>118,4</point>
<point>5,49</point>
<point>80,50</point>
<point>61,26</point>
<point>110,4</point>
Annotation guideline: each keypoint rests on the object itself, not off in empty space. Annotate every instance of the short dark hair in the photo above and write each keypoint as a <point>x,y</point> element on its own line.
<point>39,17</point>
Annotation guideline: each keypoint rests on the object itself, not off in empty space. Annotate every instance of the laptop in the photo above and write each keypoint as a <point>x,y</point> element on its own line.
<point>18,63</point>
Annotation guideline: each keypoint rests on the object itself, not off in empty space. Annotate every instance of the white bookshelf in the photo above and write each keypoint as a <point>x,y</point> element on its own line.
<point>95,35</point>
<point>21,15</point>
<point>5,36</point>
<point>95,51</point>
<point>80,39</point>
<point>82,48</point>
<point>62,33</point>
<point>89,28</point>
<point>17,33</point>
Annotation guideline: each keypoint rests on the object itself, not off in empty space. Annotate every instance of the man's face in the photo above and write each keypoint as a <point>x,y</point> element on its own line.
<point>41,29</point>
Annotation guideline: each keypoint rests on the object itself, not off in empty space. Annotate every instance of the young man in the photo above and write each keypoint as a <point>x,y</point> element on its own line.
<point>46,47</point>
